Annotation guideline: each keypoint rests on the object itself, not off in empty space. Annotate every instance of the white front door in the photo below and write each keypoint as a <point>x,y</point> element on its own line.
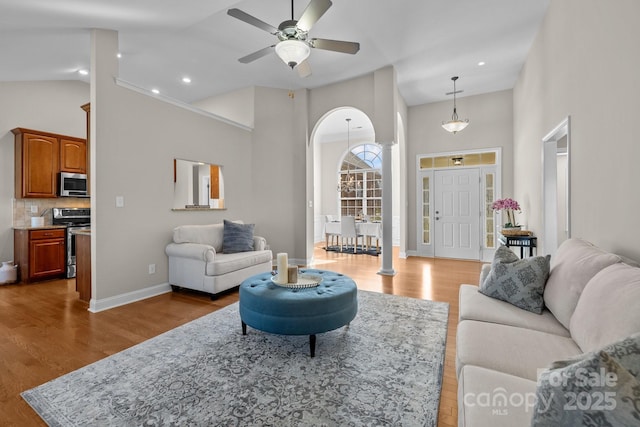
<point>457,213</point>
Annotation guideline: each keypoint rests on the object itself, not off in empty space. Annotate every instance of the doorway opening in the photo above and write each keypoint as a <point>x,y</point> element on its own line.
<point>556,189</point>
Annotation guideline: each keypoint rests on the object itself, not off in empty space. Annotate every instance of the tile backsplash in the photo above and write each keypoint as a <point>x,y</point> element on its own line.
<point>22,208</point>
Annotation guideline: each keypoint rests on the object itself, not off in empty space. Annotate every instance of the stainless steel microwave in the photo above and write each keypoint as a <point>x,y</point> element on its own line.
<point>72,185</point>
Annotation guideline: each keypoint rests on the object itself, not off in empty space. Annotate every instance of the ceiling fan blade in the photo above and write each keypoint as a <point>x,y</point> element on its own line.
<point>256,55</point>
<point>336,45</point>
<point>312,13</point>
<point>243,16</point>
<point>304,69</point>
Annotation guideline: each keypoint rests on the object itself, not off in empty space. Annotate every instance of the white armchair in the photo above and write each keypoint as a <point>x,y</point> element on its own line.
<point>197,260</point>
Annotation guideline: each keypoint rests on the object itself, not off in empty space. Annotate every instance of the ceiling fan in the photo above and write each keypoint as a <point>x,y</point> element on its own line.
<point>294,45</point>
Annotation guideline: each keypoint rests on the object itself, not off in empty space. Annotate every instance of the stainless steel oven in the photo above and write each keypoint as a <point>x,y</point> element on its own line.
<point>76,219</point>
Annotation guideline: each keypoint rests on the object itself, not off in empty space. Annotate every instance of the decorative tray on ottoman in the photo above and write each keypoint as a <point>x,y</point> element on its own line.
<point>304,281</point>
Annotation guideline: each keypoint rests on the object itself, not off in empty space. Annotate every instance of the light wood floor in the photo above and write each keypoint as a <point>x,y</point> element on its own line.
<point>45,331</point>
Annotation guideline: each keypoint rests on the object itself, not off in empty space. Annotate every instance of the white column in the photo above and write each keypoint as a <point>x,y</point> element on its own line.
<point>387,211</point>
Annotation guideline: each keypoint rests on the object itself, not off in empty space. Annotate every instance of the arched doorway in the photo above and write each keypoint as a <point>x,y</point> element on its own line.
<point>329,140</point>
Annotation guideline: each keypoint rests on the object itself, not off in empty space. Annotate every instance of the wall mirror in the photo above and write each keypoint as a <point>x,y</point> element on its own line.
<point>197,185</point>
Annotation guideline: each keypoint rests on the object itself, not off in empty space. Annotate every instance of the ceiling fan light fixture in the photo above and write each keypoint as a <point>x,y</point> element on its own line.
<point>292,52</point>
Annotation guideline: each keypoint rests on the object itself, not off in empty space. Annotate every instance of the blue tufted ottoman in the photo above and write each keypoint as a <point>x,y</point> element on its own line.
<point>280,310</point>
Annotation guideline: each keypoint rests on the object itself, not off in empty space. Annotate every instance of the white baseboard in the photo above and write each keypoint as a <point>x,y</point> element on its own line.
<point>411,253</point>
<point>123,299</point>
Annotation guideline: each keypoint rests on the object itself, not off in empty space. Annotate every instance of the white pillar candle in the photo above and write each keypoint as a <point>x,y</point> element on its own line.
<point>283,268</point>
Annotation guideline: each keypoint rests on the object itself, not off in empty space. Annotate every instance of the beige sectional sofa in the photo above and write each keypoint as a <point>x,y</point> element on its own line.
<point>197,258</point>
<point>591,299</point>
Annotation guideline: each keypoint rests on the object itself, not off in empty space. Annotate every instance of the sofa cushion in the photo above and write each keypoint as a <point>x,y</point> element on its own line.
<point>574,264</point>
<point>609,308</point>
<point>226,263</point>
<point>515,351</point>
<point>496,399</point>
<point>517,281</point>
<point>210,234</point>
<point>585,390</point>
<point>237,237</point>
<point>476,306</point>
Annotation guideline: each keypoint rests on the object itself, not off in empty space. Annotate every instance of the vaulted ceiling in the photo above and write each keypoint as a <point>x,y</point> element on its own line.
<point>162,41</point>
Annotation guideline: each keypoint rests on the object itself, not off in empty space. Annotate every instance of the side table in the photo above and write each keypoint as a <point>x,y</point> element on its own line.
<point>520,241</point>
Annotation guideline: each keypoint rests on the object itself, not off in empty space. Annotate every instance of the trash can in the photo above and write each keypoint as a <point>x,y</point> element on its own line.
<point>8,273</point>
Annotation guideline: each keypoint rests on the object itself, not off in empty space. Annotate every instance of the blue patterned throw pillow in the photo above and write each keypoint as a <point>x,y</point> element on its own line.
<point>600,388</point>
<point>237,237</point>
<point>517,281</point>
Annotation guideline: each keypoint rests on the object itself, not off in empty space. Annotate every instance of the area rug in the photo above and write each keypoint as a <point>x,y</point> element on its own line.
<point>385,368</point>
<point>360,250</point>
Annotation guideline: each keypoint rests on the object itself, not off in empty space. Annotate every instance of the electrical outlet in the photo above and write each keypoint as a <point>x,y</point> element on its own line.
<point>152,269</point>
<point>119,201</point>
<point>34,209</point>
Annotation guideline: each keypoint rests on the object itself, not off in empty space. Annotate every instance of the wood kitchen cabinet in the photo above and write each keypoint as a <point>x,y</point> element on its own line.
<point>39,156</point>
<point>73,155</point>
<point>40,253</point>
<point>36,164</point>
<point>83,265</point>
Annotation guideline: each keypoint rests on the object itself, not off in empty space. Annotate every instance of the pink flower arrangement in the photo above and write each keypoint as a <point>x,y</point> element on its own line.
<point>508,205</point>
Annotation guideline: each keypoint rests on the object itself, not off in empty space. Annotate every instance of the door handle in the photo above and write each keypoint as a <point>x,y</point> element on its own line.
<point>437,218</point>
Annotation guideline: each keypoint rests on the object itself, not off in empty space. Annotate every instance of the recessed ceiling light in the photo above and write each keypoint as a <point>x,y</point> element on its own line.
<point>83,72</point>
<point>481,63</point>
<point>119,55</point>
<point>186,79</point>
<point>155,91</point>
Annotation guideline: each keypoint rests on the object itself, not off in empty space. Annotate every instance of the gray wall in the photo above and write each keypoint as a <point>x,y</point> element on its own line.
<point>276,156</point>
<point>584,63</point>
<point>135,138</point>
<point>267,171</point>
<point>490,125</point>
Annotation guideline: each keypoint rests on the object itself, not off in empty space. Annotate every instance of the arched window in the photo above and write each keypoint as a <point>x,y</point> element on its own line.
<point>362,167</point>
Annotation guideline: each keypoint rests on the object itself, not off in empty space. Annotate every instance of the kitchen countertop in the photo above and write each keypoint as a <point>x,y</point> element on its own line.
<point>83,233</point>
<point>44,227</point>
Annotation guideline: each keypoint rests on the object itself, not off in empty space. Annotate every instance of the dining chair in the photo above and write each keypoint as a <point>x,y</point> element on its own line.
<point>348,231</point>
<point>329,236</point>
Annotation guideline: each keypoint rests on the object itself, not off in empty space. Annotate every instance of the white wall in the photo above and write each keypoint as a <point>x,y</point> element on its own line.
<point>51,106</point>
<point>490,125</point>
<point>584,63</point>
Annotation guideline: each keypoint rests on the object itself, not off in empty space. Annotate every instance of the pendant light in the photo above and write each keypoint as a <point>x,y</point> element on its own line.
<point>455,125</point>
<point>348,184</point>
